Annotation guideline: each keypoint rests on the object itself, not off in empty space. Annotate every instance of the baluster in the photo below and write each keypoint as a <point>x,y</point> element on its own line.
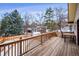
<point>8,50</point>
<point>27,45</point>
<point>20,46</point>
<point>23,46</point>
<point>12,49</point>
<point>15,49</point>
<point>4,50</point>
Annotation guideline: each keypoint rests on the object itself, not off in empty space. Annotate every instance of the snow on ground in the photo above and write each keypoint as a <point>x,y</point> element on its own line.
<point>36,33</point>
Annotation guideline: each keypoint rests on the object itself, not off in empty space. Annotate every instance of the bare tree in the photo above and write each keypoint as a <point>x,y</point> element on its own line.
<point>40,21</point>
<point>60,16</point>
<point>26,22</point>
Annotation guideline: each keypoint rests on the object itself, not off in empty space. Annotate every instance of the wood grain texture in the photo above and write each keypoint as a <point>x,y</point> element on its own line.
<point>55,47</point>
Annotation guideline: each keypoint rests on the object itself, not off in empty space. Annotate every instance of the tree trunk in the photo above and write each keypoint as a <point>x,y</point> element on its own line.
<point>61,33</point>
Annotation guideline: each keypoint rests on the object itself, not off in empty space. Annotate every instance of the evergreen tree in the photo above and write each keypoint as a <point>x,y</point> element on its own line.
<point>49,14</point>
<point>12,24</point>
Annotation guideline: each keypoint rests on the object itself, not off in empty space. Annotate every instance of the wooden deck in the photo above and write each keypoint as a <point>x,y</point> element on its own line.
<point>55,47</point>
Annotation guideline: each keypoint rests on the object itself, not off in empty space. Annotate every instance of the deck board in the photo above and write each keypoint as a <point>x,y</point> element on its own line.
<point>55,47</point>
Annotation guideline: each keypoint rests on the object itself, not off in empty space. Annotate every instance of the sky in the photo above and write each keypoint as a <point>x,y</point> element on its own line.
<point>29,8</point>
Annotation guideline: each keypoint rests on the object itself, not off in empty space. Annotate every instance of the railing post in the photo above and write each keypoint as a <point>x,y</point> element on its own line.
<point>20,46</point>
<point>41,40</point>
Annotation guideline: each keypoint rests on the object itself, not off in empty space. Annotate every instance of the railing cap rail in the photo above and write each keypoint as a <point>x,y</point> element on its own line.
<point>16,41</point>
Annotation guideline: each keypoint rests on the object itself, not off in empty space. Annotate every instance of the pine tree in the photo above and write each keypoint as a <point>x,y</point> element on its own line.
<point>12,24</point>
<point>49,14</point>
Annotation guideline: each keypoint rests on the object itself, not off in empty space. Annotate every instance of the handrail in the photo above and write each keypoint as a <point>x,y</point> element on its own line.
<point>21,44</point>
<point>2,39</point>
<point>20,36</point>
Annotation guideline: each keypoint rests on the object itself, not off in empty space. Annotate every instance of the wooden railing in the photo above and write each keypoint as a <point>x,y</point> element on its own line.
<point>22,46</point>
<point>3,39</point>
